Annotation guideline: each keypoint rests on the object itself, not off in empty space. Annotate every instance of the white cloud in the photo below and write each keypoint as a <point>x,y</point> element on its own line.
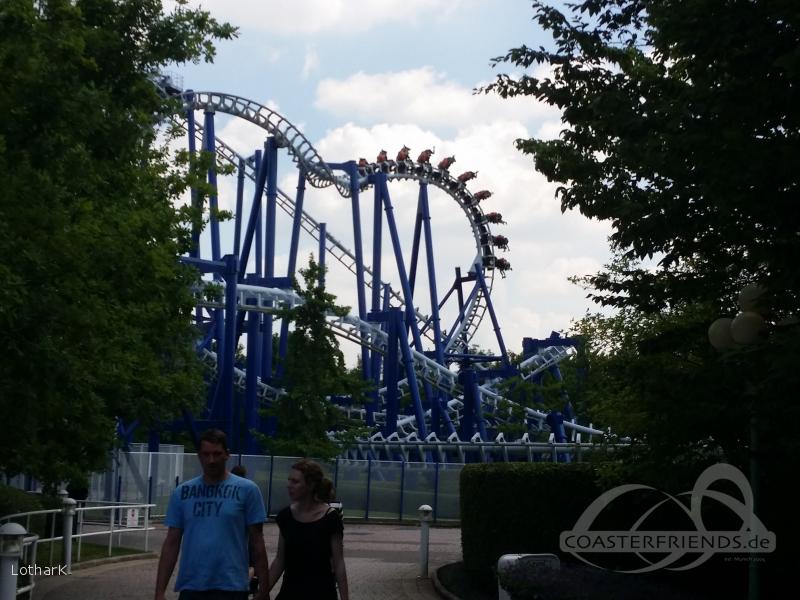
<point>546,246</point>
<point>273,55</point>
<point>423,96</point>
<point>316,16</point>
<point>311,62</point>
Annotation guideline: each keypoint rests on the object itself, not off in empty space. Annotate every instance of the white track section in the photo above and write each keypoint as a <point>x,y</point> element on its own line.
<point>351,327</point>
<point>288,136</point>
<point>251,297</point>
<point>320,175</point>
<point>333,246</point>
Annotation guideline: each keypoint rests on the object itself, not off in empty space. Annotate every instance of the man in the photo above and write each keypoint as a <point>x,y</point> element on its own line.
<point>216,516</point>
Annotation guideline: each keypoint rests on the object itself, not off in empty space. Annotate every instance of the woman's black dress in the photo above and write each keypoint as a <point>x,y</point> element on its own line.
<point>308,571</point>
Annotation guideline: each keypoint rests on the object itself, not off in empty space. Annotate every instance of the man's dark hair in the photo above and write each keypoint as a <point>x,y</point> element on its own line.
<point>213,436</point>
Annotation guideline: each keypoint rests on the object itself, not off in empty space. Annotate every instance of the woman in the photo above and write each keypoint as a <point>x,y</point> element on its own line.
<point>310,551</point>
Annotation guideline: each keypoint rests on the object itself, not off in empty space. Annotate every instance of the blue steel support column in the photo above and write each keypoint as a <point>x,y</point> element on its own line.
<point>437,331</point>
<point>567,411</point>
<point>391,370</point>
<point>460,291</point>
<point>408,298</point>
<point>253,372</point>
<point>419,413</point>
<point>495,324</point>
<point>194,252</point>
<point>271,158</point>
<point>351,168</point>
<point>210,146</point>
<point>378,366</point>
<point>377,249</point>
<point>466,377</point>
<point>261,163</point>
<point>283,344</point>
<point>473,414</point>
<point>237,234</point>
<point>412,276</point>
<point>322,252</point>
<point>224,394</point>
<point>377,246</point>
<point>253,223</point>
<point>461,314</point>
<point>386,297</point>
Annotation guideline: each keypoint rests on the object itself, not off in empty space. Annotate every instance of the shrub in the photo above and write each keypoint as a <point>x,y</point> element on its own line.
<point>519,508</point>
<point>14,500</point>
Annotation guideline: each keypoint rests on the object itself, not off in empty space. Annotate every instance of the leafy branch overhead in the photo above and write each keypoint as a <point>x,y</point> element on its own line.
<point>95,309</point>
<point>689,148</point>
<point>681,128</point>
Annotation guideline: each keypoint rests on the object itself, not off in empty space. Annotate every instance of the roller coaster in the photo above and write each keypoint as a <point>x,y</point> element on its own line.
<point>455,404</point>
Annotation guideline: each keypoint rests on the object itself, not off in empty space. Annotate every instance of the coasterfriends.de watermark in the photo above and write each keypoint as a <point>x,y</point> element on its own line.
<point>659,549</point>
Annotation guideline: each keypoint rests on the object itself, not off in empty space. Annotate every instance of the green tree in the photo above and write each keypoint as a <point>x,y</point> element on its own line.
<point>688,147</point>
<point>682,128</point>
<point>314,370</point>
<point>95,310</point>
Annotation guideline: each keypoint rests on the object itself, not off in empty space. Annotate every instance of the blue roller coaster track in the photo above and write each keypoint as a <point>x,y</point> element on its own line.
<point>453,414</point>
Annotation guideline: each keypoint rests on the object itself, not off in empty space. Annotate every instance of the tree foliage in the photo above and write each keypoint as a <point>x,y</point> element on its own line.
<point>681,128</point>
<point>94,307</point>
<point>314,370</point>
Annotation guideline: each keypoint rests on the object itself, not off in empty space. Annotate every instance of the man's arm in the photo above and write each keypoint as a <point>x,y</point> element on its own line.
<point>167,560</point>
<point>260,560</point>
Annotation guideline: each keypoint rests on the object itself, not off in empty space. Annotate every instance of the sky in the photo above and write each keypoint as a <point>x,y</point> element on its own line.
<point>358,77</point>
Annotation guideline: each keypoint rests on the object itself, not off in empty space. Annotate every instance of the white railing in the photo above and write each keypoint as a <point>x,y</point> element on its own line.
<point>78,523</point>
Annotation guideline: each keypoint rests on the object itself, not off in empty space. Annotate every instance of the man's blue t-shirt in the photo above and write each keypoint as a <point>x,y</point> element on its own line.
<point>214,520</point>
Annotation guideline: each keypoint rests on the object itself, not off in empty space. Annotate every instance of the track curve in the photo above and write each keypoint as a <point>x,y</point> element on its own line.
<point>320,175</point>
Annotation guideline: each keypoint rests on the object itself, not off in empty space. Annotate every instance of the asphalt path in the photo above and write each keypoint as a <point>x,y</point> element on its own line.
<point>383,562</point>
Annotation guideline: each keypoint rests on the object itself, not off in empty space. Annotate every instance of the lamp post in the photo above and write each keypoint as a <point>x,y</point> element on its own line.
<point>11,541</point>
<point>747,328</point>
<point>425,518</point>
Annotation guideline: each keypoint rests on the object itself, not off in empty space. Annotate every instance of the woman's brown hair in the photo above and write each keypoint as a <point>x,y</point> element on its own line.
<point>321,486</point>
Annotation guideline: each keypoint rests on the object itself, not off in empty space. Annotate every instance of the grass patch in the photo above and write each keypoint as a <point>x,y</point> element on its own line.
<point>89,552</point>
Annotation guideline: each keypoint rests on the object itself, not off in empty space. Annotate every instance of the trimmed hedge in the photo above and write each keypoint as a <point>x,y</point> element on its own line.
<point>509,508</point>
<point>13,501</point>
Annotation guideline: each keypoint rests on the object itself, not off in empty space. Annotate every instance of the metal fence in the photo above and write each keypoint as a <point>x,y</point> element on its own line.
<point>368,489</point>
<point>66,528</point>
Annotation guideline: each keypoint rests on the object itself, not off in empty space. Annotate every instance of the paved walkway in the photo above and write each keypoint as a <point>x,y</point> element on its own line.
<point>382,563</point>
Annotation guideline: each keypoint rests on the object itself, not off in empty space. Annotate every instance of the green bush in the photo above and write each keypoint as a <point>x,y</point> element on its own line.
<point>509,508</point>
<point>512,508</point>
<point>14,500</point>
